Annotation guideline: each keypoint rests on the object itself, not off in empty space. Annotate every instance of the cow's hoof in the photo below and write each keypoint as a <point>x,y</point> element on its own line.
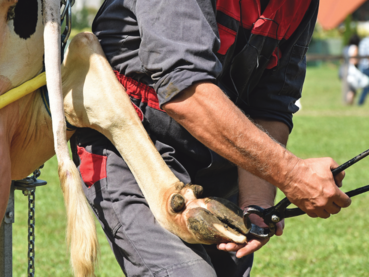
<point>208,221</point>
<point>216,222</point>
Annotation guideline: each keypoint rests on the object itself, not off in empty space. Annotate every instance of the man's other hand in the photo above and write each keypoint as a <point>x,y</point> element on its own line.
<point>253,244</point>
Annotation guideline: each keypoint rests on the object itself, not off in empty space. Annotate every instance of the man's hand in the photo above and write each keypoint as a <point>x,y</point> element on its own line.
<point>253,244</point>
<point>312,187</point>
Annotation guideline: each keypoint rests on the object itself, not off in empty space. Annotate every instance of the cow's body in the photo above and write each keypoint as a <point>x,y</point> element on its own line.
<point>33,131</point>
<point>21,60</point>
<point>92,98</point>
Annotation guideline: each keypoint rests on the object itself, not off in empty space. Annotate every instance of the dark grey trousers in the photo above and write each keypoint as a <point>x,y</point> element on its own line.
<point>141,246</point>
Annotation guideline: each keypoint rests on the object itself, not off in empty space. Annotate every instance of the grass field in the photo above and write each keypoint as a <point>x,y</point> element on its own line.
<point>337,246</point>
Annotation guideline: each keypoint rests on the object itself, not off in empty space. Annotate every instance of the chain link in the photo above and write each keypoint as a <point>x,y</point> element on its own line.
<point>31,232</point>
<point>31,193</point>
<point>66,14</point>
<point>37,173</point>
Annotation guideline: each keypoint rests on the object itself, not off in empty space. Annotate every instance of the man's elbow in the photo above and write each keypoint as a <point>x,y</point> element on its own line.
<point>188,101</point>
<point>174,109</point>
<point>179,106</point>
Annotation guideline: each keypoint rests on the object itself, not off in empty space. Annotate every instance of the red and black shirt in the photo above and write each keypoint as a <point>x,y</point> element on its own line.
<point>158,48</point>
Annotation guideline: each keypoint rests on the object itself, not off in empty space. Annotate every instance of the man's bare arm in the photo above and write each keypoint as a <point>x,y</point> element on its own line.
<point>252,189</point>
<point>256,191</point>
<point>205,111</point>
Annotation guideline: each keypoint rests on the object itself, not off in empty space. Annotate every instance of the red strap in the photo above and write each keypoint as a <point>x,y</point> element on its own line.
<point>139,91</point>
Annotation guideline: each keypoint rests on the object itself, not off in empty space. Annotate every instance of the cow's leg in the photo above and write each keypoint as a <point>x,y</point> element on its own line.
<point>5,180</point>
<point>8,119</point>
<point>94,98</point>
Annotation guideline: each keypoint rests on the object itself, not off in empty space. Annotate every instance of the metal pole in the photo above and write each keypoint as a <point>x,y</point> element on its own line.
<point>6,238</point>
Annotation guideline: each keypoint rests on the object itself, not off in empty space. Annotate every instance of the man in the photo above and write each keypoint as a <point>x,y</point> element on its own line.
<point>364,67</point>
<point>192,92</point>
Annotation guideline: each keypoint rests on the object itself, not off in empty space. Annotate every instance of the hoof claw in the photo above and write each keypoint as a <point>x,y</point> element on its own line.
<point>197,190</point>
<point>227,212</point>
<point>210,230</point>
<point>177,203</point>
<point>220,221</point>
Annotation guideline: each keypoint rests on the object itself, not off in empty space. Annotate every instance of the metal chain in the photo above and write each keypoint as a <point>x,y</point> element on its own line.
<point>37,173</point>
<point>66,13</point>
<point>31,232</point>
<point>31,193</point>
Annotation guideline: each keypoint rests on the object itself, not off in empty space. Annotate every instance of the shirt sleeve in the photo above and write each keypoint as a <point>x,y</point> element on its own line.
<point>179,40</point>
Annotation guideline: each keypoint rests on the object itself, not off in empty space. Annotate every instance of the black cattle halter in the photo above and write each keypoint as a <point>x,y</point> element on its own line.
<point>277,213</point>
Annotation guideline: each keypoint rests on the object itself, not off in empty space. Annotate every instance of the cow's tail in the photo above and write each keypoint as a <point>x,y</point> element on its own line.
<point>81,232</point>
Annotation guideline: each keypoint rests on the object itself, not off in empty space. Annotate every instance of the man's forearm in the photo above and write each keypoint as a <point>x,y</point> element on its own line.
<point>206,112</point>
<point>252,189</point>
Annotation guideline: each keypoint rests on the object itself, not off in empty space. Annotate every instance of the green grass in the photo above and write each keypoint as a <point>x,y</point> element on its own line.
<point>52,256</point>
<point>337,246</point>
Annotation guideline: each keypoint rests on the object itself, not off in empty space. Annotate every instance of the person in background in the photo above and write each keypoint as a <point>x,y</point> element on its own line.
<point>350,51</point>
<point>364,66</point>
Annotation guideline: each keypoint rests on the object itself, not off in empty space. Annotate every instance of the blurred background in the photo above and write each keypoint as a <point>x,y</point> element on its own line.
<point>328,124</point>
